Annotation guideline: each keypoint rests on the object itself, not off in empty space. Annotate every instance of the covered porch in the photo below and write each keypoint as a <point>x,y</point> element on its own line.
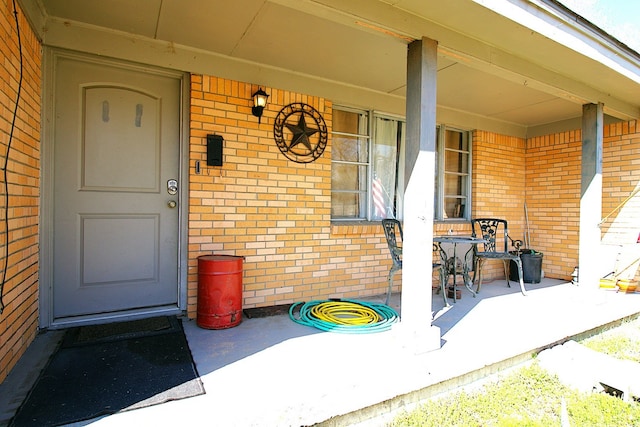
<point>272,371</point>
<point>524,100</point>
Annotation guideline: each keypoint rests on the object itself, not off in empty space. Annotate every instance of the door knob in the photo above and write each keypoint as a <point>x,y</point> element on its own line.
<point>172,204</point>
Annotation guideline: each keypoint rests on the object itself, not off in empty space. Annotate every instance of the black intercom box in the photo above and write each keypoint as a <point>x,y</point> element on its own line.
<point>214,150</point>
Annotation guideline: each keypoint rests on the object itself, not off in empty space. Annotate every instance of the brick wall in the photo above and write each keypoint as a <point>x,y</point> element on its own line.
<point>621,198</point>
<point>499,185</point>
<point>274,212</point>
<point>19,319</point>
<point>545,173</point>
<point>553,195</point>
<point>621,178</point>
<point>553,200</point>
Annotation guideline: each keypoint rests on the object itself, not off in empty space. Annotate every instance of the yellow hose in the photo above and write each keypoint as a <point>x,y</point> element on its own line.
<point>345,313</point>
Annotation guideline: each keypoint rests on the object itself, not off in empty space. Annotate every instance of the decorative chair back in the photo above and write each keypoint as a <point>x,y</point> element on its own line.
<point>495,231</point>
<point>393,233</point>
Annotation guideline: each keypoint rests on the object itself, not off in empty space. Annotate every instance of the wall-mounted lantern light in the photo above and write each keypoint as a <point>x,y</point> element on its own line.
<point>259,102</point>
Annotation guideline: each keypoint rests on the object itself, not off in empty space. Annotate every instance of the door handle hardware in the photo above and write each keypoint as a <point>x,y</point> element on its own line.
<point>172,187</point>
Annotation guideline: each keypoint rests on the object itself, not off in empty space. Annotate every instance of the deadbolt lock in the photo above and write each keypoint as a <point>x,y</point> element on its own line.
<point>172,187</point>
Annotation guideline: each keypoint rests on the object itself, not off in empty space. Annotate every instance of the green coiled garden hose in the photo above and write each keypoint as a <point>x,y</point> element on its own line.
<point>345,316</point>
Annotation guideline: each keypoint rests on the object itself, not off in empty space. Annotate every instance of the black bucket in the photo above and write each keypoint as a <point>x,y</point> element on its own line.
<point>531,266</point>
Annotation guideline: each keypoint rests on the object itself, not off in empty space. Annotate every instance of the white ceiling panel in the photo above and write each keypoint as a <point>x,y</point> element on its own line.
<point>539,114</point>
<point>136,17</point>
<point>213,25</point>
<point>311,45</point>
<point>489,65</point>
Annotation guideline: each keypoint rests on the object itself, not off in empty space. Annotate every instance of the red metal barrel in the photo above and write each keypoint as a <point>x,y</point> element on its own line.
<point>219,291</point>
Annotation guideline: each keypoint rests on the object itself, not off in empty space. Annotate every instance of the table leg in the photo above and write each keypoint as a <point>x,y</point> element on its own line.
<point>455,269</point>
<point>444,276</point>
<point>444,258</point>
<point>466,277</point>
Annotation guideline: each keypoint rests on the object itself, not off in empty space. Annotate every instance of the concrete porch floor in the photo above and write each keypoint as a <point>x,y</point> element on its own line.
<point>273,372</point>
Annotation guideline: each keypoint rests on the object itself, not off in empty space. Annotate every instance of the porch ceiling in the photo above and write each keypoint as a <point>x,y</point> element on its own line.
<point>497,69</point>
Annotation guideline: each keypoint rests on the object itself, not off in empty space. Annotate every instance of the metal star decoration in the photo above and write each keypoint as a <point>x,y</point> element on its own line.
<point>301,133</point>
<point>306,143</point>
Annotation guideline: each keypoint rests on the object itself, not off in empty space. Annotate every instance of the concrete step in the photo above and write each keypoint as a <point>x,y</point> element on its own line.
<point>591,371</point>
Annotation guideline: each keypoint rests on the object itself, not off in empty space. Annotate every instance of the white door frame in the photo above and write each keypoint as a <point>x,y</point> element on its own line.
<point>45,317</point>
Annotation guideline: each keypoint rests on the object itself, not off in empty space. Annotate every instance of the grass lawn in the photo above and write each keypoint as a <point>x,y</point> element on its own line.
<point>530,396</point>
<point>622,342</point>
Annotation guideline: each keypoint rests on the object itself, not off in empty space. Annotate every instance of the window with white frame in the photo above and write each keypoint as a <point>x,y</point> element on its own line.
<point>367,153</point>
<point>367,174</point>
<point>350,164</point>
<point>453,180</point>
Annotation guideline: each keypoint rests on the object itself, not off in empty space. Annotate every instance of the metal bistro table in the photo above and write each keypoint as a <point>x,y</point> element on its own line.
<point>455,240</point>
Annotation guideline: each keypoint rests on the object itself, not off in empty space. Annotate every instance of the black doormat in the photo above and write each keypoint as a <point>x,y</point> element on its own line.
<point>274,310</point>
<point>122,330</point>
<point>104,369</point>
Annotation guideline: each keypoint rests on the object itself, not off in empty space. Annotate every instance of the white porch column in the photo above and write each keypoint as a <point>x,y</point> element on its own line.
<point>590,196</point>
<point>419,193</point>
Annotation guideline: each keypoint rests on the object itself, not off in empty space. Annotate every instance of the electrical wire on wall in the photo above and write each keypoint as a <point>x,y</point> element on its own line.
<point>5,218</point>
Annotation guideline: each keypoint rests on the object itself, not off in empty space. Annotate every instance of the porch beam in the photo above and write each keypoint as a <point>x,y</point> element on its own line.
<point>573,48</point>
<point>523,72</point>
<point>590,195</point>
<point>418,199</point>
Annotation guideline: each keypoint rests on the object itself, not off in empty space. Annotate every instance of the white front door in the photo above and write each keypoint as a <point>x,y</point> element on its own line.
<point>115,177</point>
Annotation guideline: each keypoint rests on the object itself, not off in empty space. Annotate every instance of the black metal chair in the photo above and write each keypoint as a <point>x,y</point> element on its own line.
<point>496,233</point>
<point>393,233</point>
